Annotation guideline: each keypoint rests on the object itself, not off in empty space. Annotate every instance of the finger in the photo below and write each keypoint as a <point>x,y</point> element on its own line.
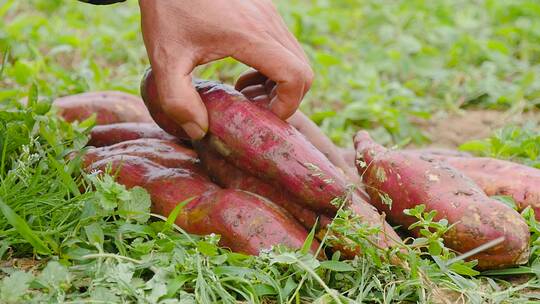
<point>272,93</point>
<point>294,45</point>
<point>254,91</point>
<point>249,78</point>
<point>179,99</point>
<point>281,32</point>
<point>288,40</point>
<point>300,52</point>
<point>262,100</point>
<point>269,85</point>
<point>293,42</point>
<point>290,73</point>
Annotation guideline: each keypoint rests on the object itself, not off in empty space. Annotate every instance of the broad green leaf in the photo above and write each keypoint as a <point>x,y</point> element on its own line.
<point>13,287</point>
<point>137,207</point>
<point>94,233</point>
<point>54,274</point>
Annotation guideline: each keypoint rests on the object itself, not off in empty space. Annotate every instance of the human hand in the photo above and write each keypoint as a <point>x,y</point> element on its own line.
<point>181,34</point>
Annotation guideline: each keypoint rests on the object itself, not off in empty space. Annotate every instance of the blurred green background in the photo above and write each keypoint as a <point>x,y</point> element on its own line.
<point>380,65</point>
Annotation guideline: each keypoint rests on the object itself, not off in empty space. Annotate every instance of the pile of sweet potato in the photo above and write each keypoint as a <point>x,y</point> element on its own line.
<point>259,181</point>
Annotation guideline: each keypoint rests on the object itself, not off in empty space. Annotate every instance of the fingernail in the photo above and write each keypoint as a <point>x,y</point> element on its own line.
<point>193,130</point>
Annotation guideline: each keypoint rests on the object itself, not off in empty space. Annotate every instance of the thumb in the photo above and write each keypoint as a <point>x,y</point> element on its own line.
<point>179,100</point>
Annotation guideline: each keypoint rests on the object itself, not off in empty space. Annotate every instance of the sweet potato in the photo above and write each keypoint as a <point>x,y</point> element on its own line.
<point>163,152</point>
<point>312,132</point>
<point>349,154</point>
<point>107,135</point>
<point>441,152</point>
<point>246,222</point>
<point>256,141</point>
<point>500,177</point>
<point>109,107</point>
<point>228,176</point>
<point>409,179</point>
<point>128,170</point>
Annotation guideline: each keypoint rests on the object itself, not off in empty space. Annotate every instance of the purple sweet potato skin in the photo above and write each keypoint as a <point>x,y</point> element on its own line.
<point>106,135</point>
<point>409,179</point>
<point>500,177</point>
<point>247,222</point>
<point>109,107</point>
<point>256,141</point>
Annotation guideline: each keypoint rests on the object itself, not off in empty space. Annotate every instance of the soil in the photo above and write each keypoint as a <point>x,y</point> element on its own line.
<point>449,130</point>
<point>25,264</point>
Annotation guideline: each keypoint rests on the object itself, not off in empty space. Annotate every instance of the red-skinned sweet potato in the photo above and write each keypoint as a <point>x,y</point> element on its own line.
<point>246,222</point>
<point>128,170</point>
<point>409,179</point>
<point>500,177</point>
<point>228,176</point>
<point>109,107</point>
<point>163,152</point>
<point>256,141</point>
<point>314,134</point>
<point>349,154</point>
<point>441,152</point>
<point>106,135</point>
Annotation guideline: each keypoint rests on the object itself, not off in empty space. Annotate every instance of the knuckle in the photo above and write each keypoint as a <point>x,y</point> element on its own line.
<point>309,75</point>
<point>302,73</point>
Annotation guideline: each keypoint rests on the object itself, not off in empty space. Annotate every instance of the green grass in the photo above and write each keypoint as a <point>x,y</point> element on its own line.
<point>379,65</point>
<point>519,144</point>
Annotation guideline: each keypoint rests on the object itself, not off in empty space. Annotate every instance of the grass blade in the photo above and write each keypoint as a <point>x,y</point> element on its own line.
<point>4,62</point>
<point>23,229</point>
<point>174,214</point>
<point>309,239</point>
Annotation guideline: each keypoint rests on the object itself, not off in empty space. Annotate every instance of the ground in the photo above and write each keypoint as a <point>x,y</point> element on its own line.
<point>450,130</point>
